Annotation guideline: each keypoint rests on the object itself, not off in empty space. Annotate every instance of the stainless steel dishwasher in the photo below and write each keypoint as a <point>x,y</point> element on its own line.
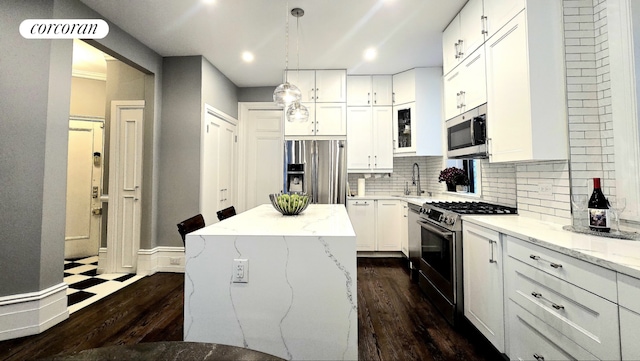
<point>414,234</point>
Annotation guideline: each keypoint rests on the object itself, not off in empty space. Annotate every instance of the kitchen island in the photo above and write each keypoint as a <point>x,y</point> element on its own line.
<point>300,298</point>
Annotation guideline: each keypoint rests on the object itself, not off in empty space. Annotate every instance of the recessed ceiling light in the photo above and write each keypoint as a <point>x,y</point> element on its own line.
<point>370,54</point>
<point>247,57</point>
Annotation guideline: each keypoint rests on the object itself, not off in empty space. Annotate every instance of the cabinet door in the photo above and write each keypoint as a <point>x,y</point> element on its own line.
<point>388,225</point>
<point>450,40</point>
<point>362,215</point>
<point>629,326</point>
<point>483,282</point>
<point>452,87</point>
<point>331,86</point>
<point>305,80</point>
<point>508,101</point>
<point>302,128</point>
<point>331,119</point>
<point>404,128</point>
<point>404,87</point>
<point>471,28</point>
<point>359,134</point>
<point>404,231</point>
<point>382,138</point>
<point>359,90</point>
<point>474,80</point>
<point>382,87</point>
<point>499,12</point>
<point>226,165</point>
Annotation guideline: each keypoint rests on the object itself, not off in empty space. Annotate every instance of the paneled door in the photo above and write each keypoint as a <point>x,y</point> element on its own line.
<point>125,180</point>
<point>84,178</point>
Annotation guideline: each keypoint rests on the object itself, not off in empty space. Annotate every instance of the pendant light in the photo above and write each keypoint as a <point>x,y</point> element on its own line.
<point>286,93</point>
<point>297,112</point>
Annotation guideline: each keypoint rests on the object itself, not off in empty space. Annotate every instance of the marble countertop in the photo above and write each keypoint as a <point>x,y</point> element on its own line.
<point>418,200</point>
<point>615,254</point>
<point>264,220</point>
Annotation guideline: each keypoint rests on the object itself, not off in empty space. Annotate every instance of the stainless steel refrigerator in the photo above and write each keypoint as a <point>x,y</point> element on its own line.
<point>317,167</point>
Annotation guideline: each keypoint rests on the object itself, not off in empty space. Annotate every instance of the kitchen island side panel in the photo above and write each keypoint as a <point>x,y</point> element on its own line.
<point>300,301</point>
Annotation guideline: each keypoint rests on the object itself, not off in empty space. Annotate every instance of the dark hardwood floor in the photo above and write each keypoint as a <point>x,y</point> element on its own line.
<point>395,322</point>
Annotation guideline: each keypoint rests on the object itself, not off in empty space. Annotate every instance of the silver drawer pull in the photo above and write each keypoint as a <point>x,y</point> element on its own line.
<point>557,307</point>
<point>555,265</point>
<point>538,357</point>
<point>536,294</point>
<point>534,257</point>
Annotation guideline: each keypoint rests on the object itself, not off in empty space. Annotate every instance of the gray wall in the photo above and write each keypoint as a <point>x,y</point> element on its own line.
<point>256,94</point>
<point>189,83</point>
<point>35,88</point>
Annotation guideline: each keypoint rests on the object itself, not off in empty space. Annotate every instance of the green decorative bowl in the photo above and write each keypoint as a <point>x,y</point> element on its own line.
<point>289,204</point>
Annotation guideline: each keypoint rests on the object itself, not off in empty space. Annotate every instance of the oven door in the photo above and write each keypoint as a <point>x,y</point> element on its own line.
<point>437,258</point>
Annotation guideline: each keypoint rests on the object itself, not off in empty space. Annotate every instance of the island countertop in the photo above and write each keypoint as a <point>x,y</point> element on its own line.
<point>264,220</point>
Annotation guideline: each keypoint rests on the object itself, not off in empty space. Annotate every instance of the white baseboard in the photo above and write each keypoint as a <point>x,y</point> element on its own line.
<point>102,260</point>
<point>160,259</point>
<point>31,313</point>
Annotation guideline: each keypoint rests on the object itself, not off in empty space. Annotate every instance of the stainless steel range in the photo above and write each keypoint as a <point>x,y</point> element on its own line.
<point>440,258</point>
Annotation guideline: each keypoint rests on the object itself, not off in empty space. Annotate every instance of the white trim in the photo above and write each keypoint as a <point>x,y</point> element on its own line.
<point>93,75</point>
<point>158,259</point>
<point>31,313</point>
<point>624,104</point>
<point>243,110</point>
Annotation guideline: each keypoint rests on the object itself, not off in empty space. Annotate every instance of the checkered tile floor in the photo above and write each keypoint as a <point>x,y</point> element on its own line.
<point>86,286</point>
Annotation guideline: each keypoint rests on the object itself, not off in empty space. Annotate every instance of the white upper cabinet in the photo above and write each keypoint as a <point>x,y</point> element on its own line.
<point>463,35</point>
<point>404,87</point>
<point>320,86</point>
<point>366,90</point>
<point>417,125</point>
<point>370,140</point>
<point>497,13</point>
<point>465,87</point>
<point>526,104</point>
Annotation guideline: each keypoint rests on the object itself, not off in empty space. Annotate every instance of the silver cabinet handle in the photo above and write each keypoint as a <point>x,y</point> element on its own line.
<point>553,304</point>
<point>368,98</point>
<point>555,265</point>
<point>361,204</point>
<point>369,161</point>
<point>393,97</point>
<point>557,306</point>
<point>460,52</point>
<point>375,98</point>
<point>538,357</point>
<point>492,260</point>
<point>534,257</point>
<point>552,264</point>
<point>483,21</point>
<point>375,161</point>
<point>536,294</point>
<point>317,96</point>
<point>456,50</point>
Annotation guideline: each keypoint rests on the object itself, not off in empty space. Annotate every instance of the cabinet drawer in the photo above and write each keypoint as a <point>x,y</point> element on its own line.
<point>629,292</point>
<point>583,317</point>
<point>533,339</point>
<point>629,325</point>
<point>593,278</point>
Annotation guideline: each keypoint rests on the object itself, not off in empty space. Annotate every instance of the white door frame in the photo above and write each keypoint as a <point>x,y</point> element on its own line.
<point>116,170</point>
<point>243,110</point>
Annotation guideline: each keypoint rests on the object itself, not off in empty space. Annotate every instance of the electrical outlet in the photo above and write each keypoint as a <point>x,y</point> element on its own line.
<point>174,260</point>
<point>545,189</point>
<point>240,270</point>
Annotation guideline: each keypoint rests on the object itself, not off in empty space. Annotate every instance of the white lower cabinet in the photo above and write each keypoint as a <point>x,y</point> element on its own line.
<point>377,223</point>
<point>404,230</point>
<point>483,282</point>
<point>628,296</point>
<point>543,285</point>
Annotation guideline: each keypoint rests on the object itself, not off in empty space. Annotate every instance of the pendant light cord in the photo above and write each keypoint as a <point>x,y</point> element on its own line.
<point>286,43</point>
<point>298,47</point>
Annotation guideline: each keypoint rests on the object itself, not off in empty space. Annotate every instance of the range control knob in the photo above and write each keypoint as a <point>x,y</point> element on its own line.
<point>449,220</point>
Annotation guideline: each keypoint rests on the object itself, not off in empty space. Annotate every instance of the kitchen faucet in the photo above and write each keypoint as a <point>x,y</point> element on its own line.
<point>419,191</point>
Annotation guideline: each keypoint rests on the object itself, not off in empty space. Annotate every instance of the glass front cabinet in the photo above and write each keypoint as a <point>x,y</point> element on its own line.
<point>404,134</point>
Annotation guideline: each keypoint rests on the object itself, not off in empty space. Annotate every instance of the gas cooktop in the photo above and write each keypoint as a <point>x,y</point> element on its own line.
<point>472,207</point>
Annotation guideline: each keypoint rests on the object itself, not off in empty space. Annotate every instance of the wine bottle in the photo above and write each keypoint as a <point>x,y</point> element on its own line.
<point>598,209</point>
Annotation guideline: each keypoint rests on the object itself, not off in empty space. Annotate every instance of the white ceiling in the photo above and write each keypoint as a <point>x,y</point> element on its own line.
<point>334,34</point>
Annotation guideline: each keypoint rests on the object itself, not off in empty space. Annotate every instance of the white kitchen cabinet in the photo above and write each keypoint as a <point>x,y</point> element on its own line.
<point>370,139</point>
<point>463,35</point>
<point>320,86</point>
<point>362,215</point>
<point>388,225</point>
<point>527,118</point>
<point>404,231</point>
<point>369,90</point>
<point>404,87</point>
<point>378,223</point>
<point>465,87</point>
<point>483,282</point>
<point>497,13</point>
<point>629,310</point>
<point>565,294</point>
<point>417,126</point>
<point>324,119</point>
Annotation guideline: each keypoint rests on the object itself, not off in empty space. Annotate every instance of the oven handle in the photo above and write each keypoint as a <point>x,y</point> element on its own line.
<point>436,230</point>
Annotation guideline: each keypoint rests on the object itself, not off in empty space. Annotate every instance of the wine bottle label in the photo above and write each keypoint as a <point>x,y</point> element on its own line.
<point>599,218</point>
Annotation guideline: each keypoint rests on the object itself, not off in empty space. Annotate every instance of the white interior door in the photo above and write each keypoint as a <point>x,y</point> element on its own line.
<point>125,181</point>
<point>84,176</point>
<point>264,156</point>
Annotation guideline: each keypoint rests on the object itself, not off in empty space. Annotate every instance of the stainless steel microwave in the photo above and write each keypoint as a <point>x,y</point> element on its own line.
<point>467,134</point>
